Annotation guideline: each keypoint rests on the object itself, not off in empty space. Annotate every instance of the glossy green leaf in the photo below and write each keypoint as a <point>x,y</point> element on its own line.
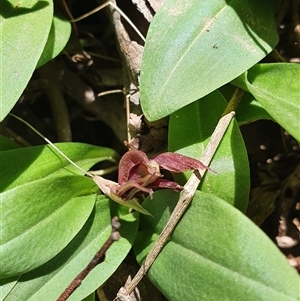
<point>58,37</point>
<point>40,218</point>
<point>24,29</point>
<point>24,165</point>
<point>249,109</point>
<point>194,47</point>
<point>276,87</point>
<point>190,130</point>
<point>215,253</point>
<point>49,280</point>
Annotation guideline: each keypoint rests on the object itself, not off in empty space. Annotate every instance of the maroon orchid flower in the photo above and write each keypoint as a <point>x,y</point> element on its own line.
<point>138,173</point>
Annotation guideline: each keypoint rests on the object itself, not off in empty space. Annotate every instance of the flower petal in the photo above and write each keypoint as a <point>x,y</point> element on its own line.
<point>128,162</point>
<point>106,186</point>
<point>178,163</point>
<point>163,183</point>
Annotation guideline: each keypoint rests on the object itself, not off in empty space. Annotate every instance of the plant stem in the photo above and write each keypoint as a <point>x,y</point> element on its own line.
<point>234,101</point>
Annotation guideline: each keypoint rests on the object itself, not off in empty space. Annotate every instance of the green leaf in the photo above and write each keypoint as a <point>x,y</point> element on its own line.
<point>6,144</point>
<point>91,297</point>
<point>194,47</point>
<point>6,285</point>
<point>20,166</point>
<point>54,276</point>
<point>215,253</point>
<point>40,218</point>
<point>132,204</point>
<point>24,30</point>
<point>58,37</point>
<point>249,109</point>
<point>276,87</point>
<point>190,130</point>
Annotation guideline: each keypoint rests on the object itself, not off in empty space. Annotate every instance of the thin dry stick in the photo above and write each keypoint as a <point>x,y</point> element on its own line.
<point>98,258</point>
<point>67,10</point>
<point>52,145</point>
<point>118,10</point>
<point>127,95</point>
<point>277,56</point>
<point>14,136</point>
<point>127,104</point>
<point>185,198</point>
<point>116,91</point>
<point>105,57</point>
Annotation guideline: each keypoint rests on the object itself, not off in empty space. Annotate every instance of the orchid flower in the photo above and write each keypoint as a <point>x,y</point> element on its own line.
<point>138,173</point>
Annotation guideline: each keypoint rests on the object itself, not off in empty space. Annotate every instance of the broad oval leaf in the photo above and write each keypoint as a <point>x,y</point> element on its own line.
<point>215,253</point>
<point>24,30</point>
<point>22,165</point>
<point>276,87</point>
<point>39,219</point>
<point>190,130</point>
<point>193,47</point>
<point>58,37</point>
<point>48,281</point>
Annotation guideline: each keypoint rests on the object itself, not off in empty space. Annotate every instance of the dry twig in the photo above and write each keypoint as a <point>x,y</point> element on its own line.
<point>185,198</point>
<point>98,258</point>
